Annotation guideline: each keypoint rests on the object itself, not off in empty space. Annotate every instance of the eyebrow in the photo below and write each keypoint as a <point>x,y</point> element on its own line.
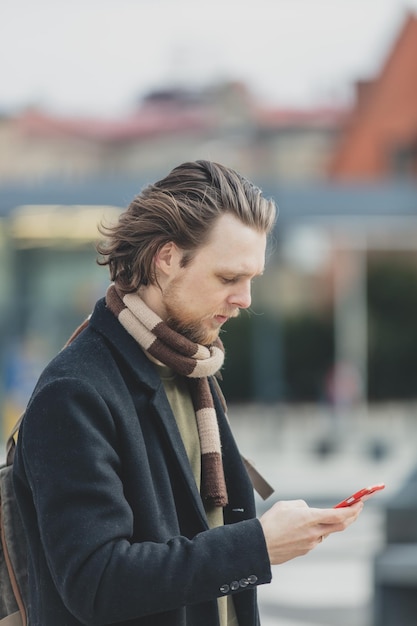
<point>230,272</point>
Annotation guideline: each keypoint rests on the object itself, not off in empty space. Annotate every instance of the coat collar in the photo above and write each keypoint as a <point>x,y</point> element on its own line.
<point>106,324</point>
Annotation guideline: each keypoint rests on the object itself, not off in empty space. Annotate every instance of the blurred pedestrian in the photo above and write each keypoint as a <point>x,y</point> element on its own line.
<point>137,505</point>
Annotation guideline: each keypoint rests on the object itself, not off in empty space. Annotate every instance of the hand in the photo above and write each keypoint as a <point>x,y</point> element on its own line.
<point>292,528</point>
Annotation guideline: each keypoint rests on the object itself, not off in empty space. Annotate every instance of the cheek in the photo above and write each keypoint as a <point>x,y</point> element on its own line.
<point>201,290</point>
<point>201,294</point>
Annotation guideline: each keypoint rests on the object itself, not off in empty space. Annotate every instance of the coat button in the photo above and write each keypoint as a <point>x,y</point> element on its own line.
<point>252,579</point>
<point>225,588</point>
<point>243,582</point>
<point>234,585</point>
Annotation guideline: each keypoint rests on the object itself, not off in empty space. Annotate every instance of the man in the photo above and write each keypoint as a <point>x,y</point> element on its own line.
<point>137,505</point>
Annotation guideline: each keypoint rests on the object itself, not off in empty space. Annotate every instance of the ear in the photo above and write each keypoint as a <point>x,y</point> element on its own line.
<point>168,258</point>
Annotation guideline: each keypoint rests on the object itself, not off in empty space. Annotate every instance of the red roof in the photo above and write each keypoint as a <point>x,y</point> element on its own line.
<point>146,122</point>
<point>385,117</point>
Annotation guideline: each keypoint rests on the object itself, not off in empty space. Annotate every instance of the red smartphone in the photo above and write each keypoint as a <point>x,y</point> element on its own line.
<point>362,494</point>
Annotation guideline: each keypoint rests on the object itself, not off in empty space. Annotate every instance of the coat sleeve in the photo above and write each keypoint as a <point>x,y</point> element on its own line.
<point>70,452</point>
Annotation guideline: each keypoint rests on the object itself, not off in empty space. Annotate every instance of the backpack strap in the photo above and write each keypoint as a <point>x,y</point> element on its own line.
<point>77,331</point>
<point>259,483</point>
<point>11,441</point>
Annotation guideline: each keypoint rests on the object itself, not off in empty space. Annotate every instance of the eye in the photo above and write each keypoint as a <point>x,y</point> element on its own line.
<point>228,281</point>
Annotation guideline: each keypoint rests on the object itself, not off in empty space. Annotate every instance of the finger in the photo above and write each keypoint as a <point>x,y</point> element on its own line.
<point>292,504</point>
<point>335,516</point>
<point>328,529</point>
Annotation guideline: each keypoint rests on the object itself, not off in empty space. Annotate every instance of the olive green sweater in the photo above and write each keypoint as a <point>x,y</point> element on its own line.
<point>176,388</point>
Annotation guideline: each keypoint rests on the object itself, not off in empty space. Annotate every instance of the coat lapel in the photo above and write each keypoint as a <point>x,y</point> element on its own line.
<point>147,376</point>
<point>164,413</point>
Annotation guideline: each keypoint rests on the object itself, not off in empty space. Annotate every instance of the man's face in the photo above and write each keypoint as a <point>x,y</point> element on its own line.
<point>199,298</point>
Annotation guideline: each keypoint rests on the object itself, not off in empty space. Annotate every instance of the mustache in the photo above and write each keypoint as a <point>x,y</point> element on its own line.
<point>230,314</point>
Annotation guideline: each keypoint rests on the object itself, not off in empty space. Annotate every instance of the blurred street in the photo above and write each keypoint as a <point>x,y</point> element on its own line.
<point>333,585</point>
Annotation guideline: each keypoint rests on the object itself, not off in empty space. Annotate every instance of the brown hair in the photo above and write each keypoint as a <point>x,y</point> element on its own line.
<point>182,207</point>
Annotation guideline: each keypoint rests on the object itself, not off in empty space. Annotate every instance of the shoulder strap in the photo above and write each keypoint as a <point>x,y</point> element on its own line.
<point>77,331</point>
<point>11,441</point>
<point>260,484</point>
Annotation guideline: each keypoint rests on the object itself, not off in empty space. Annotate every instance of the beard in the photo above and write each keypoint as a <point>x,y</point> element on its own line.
<point>203,330</point>
<point>190,327</point>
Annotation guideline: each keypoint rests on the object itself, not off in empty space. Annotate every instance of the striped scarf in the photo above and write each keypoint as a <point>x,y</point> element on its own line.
<point>186,358</point>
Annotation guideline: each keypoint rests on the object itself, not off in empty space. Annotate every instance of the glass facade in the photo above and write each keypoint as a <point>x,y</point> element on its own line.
<point>49,284</point>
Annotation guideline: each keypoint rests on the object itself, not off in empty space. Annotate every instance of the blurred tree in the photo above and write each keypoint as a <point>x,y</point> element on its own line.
<point>308,355</point>
<point>303,346</point>
<point>237,371</point>
<point>392,330</point>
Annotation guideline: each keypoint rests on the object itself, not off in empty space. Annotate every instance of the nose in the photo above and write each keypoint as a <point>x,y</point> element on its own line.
<point>241,297</point>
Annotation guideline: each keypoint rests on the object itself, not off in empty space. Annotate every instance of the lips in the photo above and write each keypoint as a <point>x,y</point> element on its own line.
<point>221,319</point>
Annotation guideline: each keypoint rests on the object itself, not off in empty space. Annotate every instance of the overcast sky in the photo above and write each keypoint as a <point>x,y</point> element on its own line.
<point>99,56</point>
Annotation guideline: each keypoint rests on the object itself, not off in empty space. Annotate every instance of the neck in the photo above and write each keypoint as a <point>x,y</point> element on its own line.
<point>152,297</point>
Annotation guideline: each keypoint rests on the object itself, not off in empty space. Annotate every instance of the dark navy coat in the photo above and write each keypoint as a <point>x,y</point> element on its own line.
<point>116,528</point>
